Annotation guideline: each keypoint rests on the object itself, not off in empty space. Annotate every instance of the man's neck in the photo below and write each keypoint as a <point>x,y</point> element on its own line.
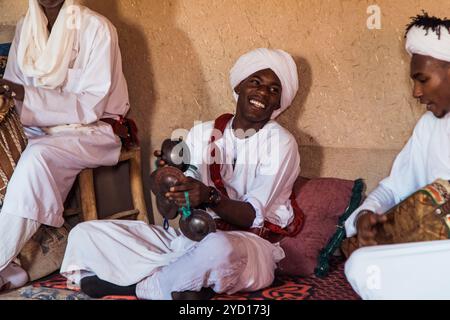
<point>246,126</point>
<point>52,15</point>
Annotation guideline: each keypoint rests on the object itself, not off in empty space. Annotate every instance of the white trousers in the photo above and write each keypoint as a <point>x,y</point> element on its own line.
<point>48,168</point>
<point>162,262</point>
<point>44,176</point>
<point>15,233</point>
<point>413,271</point>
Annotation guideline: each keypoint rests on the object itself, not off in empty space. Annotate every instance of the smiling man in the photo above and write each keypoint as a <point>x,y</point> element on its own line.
<point>410,271</point>
<point>256,182</point>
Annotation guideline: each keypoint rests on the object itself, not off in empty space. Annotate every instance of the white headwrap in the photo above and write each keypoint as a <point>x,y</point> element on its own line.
<point>42,56</point>
<point>279,61</point>
<point>427,43</point>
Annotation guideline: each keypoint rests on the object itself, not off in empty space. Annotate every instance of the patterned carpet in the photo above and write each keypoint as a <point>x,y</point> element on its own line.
<point>333,287</point>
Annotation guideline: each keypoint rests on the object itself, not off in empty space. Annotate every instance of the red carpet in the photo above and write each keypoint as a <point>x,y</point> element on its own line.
<point>333,287</point>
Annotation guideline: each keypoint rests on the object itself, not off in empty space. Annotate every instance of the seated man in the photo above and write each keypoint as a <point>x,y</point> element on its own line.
<point>65,74</point>
<point>414,270</point>
<point>127,257</point>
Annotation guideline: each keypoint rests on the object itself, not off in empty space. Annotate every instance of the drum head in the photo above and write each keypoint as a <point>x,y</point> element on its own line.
<point>198,225</point>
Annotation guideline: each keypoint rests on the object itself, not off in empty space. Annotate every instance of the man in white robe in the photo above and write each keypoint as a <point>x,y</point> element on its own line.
<point>119,257</point>
<point>416,270</point>
<point>65,73</point>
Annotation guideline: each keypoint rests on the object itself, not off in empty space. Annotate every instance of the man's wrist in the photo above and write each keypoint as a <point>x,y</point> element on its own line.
<point>214,197</point>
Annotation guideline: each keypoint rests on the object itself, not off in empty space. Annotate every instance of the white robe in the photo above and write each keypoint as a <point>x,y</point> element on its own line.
<point>425,158</point>
<point>95,88</point>
<point>162,262</point>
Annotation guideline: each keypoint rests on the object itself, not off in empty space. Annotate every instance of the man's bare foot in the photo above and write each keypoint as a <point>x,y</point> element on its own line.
<point>12,277</point>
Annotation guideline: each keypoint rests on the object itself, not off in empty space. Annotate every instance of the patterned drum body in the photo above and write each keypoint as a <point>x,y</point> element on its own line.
<point>424,216</point>
<point>421,217</point>
<point>12,142</point>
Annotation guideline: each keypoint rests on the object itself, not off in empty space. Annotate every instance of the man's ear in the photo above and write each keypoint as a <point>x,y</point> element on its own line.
<point>238,88</point>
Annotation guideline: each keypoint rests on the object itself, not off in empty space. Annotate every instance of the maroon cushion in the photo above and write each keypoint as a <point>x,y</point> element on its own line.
<point>323,201</point>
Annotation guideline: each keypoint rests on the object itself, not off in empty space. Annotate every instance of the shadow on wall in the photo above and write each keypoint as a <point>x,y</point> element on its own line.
<point>137,68</point>
<point>312,158</point>
<point>163,96</point>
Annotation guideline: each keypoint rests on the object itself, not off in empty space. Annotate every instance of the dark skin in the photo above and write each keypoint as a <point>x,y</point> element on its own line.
<point>51,9</point>
<point>431,79</point>
<point>264,87</point>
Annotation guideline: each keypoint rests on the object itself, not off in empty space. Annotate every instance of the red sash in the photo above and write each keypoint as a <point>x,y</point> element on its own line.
<point>269,231</point>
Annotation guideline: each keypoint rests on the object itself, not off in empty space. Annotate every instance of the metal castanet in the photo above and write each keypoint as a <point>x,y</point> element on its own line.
<point>198,225</point>
<point>175,153</point>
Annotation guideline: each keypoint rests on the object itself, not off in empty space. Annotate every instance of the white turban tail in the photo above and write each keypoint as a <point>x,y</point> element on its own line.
<point>427,43</point>
<point>42,56</point>
<point>280,62</point>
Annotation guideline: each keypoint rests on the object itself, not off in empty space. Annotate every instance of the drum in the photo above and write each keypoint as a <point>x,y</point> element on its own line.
<point>12,142</point>
<point>424,216</point>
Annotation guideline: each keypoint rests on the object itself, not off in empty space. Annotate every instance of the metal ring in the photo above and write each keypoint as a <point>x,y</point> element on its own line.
<point>6,87</point>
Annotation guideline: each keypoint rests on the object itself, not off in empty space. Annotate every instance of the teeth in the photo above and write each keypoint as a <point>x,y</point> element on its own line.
<point>257,104</point>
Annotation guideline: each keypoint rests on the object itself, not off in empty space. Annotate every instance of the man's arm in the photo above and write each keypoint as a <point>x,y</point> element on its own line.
<point>83,100</point>
<point>407,176</point>
<point>199,194</point>
<point>270,189</point>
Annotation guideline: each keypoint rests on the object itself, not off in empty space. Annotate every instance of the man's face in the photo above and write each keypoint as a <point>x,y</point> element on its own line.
<point>49,4</point>
<point>259,96</point>
<point>431,83</point>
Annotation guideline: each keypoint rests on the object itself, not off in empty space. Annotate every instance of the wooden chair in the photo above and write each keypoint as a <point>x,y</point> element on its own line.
<point>85,192</point>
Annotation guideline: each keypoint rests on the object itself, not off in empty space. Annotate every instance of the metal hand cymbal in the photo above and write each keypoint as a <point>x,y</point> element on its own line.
<point>175,153</point>
<point>198,225</point>
<point>167,208</point>
<point>165,178</point>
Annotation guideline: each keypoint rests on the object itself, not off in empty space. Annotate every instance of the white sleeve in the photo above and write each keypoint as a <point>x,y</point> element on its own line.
<point>406,177</point>
<point>273,188</point>
<point>82,100</point>
<point>379,201</point>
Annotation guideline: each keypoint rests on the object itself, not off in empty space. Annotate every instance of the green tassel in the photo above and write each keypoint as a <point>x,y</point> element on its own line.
<point>323,266</point>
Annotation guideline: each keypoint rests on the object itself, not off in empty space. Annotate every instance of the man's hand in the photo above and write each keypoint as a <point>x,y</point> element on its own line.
<point>366,226</point>
<point>198,193</point>
<point>7,88</point>
<point>159,161</point>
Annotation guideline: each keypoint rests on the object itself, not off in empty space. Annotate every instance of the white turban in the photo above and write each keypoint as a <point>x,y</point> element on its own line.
<point>280,62</point>
<point>427,43</point>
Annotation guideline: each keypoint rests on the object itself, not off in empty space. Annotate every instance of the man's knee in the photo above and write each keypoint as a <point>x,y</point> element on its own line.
<point>35,152</point>
<point>221,248</point>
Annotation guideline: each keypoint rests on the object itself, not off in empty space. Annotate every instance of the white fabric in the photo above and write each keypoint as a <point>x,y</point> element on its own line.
<point>12,277</point>
<point>15,233</point>
<point>267,166</point>
<point>94,88</point>
<point>127,252</point>
<point>279,61</point>
<point>94,85</point>
<point>48,168</point>
<point>423,160</point>
<point>42,56</point>
<point>413,271</point>
<point>162,262</point>
<point>427,43</point>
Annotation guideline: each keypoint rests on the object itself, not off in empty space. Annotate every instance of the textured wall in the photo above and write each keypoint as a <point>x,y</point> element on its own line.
<point>354,110</point>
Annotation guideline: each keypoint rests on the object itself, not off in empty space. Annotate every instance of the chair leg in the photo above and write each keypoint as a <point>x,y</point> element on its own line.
<point>137,189</point>
<point>87,195</point>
